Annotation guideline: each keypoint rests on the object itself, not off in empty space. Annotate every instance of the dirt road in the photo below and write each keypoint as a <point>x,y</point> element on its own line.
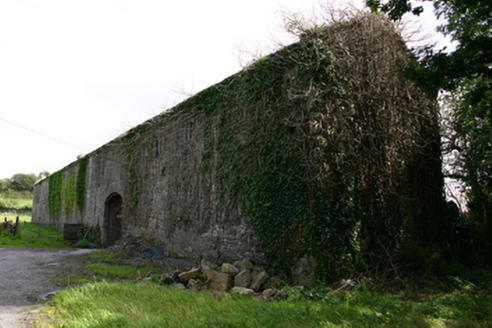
<point>27,276</point>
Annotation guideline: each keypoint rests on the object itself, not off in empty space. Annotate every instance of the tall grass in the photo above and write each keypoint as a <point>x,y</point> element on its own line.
<point>149,305</point>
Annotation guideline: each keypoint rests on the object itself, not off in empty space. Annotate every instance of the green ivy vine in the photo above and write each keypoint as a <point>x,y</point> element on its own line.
<point>55,193</point>
<point>69,194</point>
<point>130,142</point>
<point>263,156</point>
<point>80,183</point>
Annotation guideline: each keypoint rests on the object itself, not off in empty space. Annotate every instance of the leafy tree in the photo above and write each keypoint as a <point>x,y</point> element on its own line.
<point>466,72</point>
<point>4,184</point>
<point>471,140</point>
<point>394,8</point>
<point>43,174</point>
<point>23,182</point>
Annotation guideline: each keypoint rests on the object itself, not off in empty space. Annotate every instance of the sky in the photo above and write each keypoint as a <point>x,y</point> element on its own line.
<point>76,74</point>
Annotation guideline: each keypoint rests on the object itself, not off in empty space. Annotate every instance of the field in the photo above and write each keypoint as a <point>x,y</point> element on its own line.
<point>15,203</point>
<point>12,217</point>
<point>31,235</point>
<point>22,202</point>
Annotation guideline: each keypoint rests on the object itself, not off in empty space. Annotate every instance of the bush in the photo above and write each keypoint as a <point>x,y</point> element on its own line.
<point>472,244</point>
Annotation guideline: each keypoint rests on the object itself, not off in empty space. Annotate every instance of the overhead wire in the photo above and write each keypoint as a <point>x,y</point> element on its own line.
<point>41,134</point>
<point>54,139</point>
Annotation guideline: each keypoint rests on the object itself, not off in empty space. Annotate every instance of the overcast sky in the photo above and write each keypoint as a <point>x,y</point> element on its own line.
<point>83,72</point>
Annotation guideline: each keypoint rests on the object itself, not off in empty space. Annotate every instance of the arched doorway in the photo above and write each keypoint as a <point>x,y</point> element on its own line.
<point>112,219</point>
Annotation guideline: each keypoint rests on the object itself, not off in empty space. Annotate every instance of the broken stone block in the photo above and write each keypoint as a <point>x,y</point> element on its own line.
<point>206,266</point>
<point>259,280</point>
<point>243,265</point>
<point>282,294</point>
<point>273,282</point>
<point>243,279</point>
<point>184,277</point>
<point>270,292</point>
<point>166,279</point>
<point>230,269</point>
<point>179,286</point>
<point>176,274</point>
<point>218,280</point>
<point>194,285</point>
<point>243,291</point>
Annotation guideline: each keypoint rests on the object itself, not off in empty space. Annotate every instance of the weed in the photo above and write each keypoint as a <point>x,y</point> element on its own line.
<point>83,243</point>
<point>104,256</point>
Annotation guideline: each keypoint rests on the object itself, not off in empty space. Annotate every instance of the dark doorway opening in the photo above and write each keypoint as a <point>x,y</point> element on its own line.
<point>112,219</point>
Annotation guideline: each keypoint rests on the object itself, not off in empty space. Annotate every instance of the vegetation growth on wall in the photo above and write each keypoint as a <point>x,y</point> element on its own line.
<point>55,193</point>
<point>70,192</point>
<point>130,143</point>
<point>329,148</point>
<point>80,183</point>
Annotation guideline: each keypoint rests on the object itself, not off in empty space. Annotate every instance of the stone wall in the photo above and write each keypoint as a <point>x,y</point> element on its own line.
<point>319,143</point>
<point>169,198</point>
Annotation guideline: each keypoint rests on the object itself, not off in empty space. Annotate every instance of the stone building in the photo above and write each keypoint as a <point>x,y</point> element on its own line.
<point>249,157</point>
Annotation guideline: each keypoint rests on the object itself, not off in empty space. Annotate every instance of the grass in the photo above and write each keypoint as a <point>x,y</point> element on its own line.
<point>105,298</point>
<point>16,203</point>
<point>22,203</point>
<point>117,272</point>
<point>12,217</point>
<point>106,304</point>
<point>99,303</point>
<point>31,235</point>
<point>102,256</point>
<point>109,266</point>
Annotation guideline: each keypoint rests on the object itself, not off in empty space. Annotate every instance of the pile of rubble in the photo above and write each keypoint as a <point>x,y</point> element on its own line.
<point>9,226</point>
<point>242,277</point>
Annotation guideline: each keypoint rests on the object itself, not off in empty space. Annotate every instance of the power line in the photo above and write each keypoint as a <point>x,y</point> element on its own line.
<point>55,139</point>
<point>42,134</point>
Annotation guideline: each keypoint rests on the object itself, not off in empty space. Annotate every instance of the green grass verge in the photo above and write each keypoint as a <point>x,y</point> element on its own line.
<point>112,267</point>
<point>22,203</point>
<point>12,217</point>
<point>31,235</point>
<point>106,304</point>
<point>117,271</point>
<point>102,256</point>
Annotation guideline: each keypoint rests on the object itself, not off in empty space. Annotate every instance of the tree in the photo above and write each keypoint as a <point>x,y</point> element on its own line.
<point>470,138</point>
<point>43,175</point>
<point>4,184</point>
<point>23,182</point>
<point>466,72</point>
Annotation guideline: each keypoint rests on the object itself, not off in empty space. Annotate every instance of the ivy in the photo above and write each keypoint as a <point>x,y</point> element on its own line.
<point>130,142</point>
<point>55,193</point>
<point>69,194</point>
<point>313,141</point>
<point>258,134</point>
<point>80,183</point>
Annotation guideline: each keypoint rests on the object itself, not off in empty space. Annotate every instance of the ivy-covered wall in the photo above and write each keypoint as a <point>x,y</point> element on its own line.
<point>310,151</point>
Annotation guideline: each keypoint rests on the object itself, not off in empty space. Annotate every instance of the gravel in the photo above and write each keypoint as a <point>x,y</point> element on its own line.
<point>29,277</point>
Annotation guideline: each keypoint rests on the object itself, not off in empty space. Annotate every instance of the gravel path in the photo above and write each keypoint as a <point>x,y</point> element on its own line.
<point>29,276</point>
